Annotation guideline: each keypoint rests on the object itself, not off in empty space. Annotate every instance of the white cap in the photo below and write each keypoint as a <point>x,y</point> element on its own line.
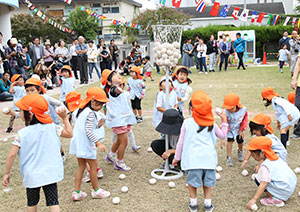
<point>13,41</point>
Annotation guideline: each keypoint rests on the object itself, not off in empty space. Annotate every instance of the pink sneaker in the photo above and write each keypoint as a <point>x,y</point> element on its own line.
<point>99,194</point>
<point>78,196</point>
<point>272,202</point>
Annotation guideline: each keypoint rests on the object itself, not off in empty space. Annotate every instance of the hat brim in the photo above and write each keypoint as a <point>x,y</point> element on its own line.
<point>173,129</point>
<point>20,105</point>
<point>72,106</point>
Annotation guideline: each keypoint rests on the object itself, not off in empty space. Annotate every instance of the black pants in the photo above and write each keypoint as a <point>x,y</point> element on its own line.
<point>50,191</point>
<point>241,62</point>
<point>297,104</point>
<point>104,65</point>
<point>136,104</point>
<point>115,60</point>
<point>239,139</point>
<point>84,78</point>
<point>159,147</point>
<point>224,57</point>
<point>74,65</point>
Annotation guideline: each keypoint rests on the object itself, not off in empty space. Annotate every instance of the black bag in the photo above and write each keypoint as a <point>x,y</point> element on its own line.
<point>20,60</point>
<point>231,50</point>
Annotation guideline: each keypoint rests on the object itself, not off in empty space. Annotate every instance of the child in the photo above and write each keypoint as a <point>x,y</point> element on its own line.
<point>260,126</point>
<point>160,101</point>
<point>138,61</point>
<point>181,85</point>
<point>73,100</point>
<point>18,91</point>
<point>119,117</point>
<point>147,68</point>
<point>291,97</point>
<point>39,152</point>
<point>196,149</point>
<point>274,177</point>
<point>138,52</point>
<point>67,82</point>
<point>283,56</point>
<point>136,89</point>
<point>286,113</point>
<point>85,142</point>
<point>237,119</point>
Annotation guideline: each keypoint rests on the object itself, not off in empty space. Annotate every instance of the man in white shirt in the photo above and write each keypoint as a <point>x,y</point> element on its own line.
<point>93,59</point>
<point>74,58</point>
<point>36,52</point>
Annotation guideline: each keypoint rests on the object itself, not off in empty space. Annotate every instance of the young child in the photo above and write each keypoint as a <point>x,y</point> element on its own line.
<point>260,126</point>
<point>136,89</point>
<point>67,82</point>
<point>138,61</point>
<point>85,142</point>
<point>283,56</point>
<point>291,97</point>
<point>274,177</point>
<point>39,152</point>
<point>181,84</point>
<point>119,117</point>
<point>238,120</point>
<point>160,101</point>
<point>18,91</point>
<point>147,68</point>
<point>196,149</point>
<point>286,113</point>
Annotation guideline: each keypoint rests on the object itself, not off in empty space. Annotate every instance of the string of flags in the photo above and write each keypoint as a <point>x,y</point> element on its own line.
<point>40,14</point>
<point>67,1</point>
<point>91,13</point>
<point>130,24</point>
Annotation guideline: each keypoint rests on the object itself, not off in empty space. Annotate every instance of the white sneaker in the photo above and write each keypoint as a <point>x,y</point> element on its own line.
<point>121,166</point>
<point>99,194</point>
<point>111,159</point>
<point>288,143</point>
<point>206,73</point>
<point>78,196</point>
<point>86,179</point>
<point>100,173</point>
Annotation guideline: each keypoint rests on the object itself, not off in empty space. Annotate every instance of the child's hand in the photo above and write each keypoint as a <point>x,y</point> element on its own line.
<point>290,117</point>
<point>62,112</point>
<point>6,180</point>
<point>101,146</point>
<point>250,203</point>
<point>245,163</point>
<point>174,162</point>
<point>278,125</point>
<point>223,116</point>
<point>256,168</point>
<point>241,134</point>
<point>166,155</point>
<point>100,123</point>
<point>223,143</point>
<point>141,96</point>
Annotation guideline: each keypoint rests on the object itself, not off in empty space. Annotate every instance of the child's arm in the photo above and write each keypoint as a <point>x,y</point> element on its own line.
<point>161,109</point>
<point>248,156</point>
<point>260,190</point>
<point>244,123</point>
<point>179,146</point>
<point>11,88</point>
<point>67,131</point>
<point>55,102</point>
<point>159,104</point>
<point>9,163</point>
<point>57,79</point>
<point>281,103</point>
<point>143,91</point>
<point>189,90</point>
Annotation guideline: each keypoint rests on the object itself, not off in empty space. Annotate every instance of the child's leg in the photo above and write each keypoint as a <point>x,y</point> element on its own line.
<point>133,102</point>
<point>207,196</point>
<point>55,208</point>
<point>114,137</point>
<point>33,198</point>
<point>131,138</point>
<point>123,141</point>
<point>51,196</point>
<point>79,173</point>
<point>11,121</point>
<point>192,191</point>
<point>32,209</point>
<point>284,135</point>
<point>140,112</point>
<point>229,147</point>
<point>93,173</point>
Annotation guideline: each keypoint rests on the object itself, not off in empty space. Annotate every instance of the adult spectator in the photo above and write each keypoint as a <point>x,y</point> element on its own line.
<point>295,47</point>
<point>295,84</point>
<point>92,59</point>
<point>239,45</point>
<point>114,52</point>
<point>62,53</point>
<point>106,58</point>
<point>285,40</point>
<point>224,47</point>
<point>27,60</point>
<point>14,54</point>
<point>125,65</point>
<point>74,58</point>
<point>202,49</point>
<point>36,52</point>
<point>195,52</point>
<point>48,54</point>
<point>2,53</point>
<point>187,54</point>
<point>133,51</point>
<point>212,50</point>
<point>4,88</point>
<point>81,50</point>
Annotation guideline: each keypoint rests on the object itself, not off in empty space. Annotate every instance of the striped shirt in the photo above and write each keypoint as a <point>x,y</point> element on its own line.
<point>89,127</point>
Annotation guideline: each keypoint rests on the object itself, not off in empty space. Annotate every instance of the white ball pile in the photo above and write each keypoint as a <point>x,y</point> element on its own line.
<point>167,54</point>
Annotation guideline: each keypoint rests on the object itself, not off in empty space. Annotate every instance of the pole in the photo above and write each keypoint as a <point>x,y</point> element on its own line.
<point>245,4</point>
<point>167,104</point>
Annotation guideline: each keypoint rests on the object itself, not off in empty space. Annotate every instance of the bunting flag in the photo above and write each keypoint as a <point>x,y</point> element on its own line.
<point>162,2</point>
<point>275,20</point>
<point>260,17</point>
<point>91,13</point>
<point>286,21</point>
<point>201,6</point>
<point>235,13</point>
<point>176,3</point>
<point>215,9</point>
<point>298,23</point>
<point>67,1</point>
<point>224,11</point>
<point>253,17</point>
<point>148,27</point>
<point>244,15</point>
<point>294,22</point>
<point>269,19</point>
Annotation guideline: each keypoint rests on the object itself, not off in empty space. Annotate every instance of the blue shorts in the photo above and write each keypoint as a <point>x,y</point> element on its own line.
<point>195,177</point>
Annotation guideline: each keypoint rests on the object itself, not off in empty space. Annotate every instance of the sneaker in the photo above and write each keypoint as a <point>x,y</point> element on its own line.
<point>86,179</point>
<point>280,71</point>
<point>193,208</point>
<point>209,208</point>
<point>9,129</point>
<point>295,136</point>
<point>136,148</point>
<point>288,143</point>
<point>139,119</point>
<point>200,72</point>
<point>99,194</point>
<point>121,166</point>
<point>100,173</point>
<point>78,196</point>
<point>272,202</point>
<point>64,158</point>
<point>229,162</point>
<point>240,156</point>
<point>152,80</point>
<point>111,159</point>
<point>206,73</point>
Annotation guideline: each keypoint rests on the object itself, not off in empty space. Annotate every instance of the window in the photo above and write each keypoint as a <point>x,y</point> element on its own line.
<point>115,10</point>
<point>56,12</point>
<point>96,5</point>
<point>68,10</point>
<point>106,10</point>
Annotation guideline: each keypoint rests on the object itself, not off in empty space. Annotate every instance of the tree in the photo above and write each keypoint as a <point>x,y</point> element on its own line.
<point>83,24</point>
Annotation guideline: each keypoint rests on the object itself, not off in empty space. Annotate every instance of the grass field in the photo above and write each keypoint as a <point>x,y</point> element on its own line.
<point>232,192</point>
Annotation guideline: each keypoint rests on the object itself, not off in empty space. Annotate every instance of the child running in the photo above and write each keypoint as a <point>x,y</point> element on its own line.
<point>147,68</point>
<point>286,113</point>
<point>238,120</point>
<point>67,82</point>
<point>39,152</point>
<point>283,56</point>
<point>275,177</point>
<point>136,89</point>
<point>196,149</point>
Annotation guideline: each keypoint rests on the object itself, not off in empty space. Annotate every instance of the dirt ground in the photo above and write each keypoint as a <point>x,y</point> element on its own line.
<point>232,192</point>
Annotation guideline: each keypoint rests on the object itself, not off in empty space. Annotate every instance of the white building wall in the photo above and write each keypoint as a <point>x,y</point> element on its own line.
<point>5,26</point>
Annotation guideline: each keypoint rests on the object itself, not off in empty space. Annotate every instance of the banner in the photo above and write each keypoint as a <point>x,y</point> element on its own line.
<point>260,17</point>
<point>215,9</point>
<point>201,6</point>
<point>129,24</point>
<point>244,15</point>
<point>67,1</point>
<point>275,20</point>
<point>269,19</point>
<point>162,2</point>
<point>224,11</point>
<point>176,3</point>
<point>294,22</point>
<point>235,13</point>
<point>91,13</point>
<point>253,17</point>
<point>286,21</point>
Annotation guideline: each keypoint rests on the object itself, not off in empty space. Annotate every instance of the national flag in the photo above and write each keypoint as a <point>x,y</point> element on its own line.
<point>294,22</point>
<point>148,27</point>
<point>32,8</point>
<point>298,23</point>
<point>254,13</point>
<point>260,17</point>
<point>269,19</point>
<point>162,2</point>
<point>176,3</point>
<point>224,11</point>
<point>215,9</point>
<point>43,17</point>
<point>201,6</point>
<point>139,27</point>
<point>275,19</point>
<point>35,10</point>
<point>133,25</point>
<point>67,1</point>
<point>286,21</point>
<point>114,22</point>
<point>244,15</point>
<point>82,8</point>
<point>39,13</point>
<point>235,13</point>
<point>129,24</point>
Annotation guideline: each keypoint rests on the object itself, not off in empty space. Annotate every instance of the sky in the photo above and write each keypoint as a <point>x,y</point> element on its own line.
<point>147,4</point>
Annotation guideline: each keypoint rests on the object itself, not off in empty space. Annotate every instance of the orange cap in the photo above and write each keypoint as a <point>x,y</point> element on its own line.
<point>231,100</point>
<point>95,93</point>
<point>36,104</point>
<point>180,67</point>
<point>35,81</point>
<point>291,97</point>
<point>268,93</point>
<point>15,77</point>
<point>122,80</point>
<point>263,119</point>
<point>262,143</point>
<point>67,67</point>
<point>202,109</point>
<point>105,75</point>
<point>73,100</point>
<point>137,70</point>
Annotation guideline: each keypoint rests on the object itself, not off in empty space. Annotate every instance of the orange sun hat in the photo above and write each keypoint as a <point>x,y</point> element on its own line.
<point>73,100</point>
<point>15,77</point>
<point>291,97</point>
<point>180,67</point>
<point>262,143</point>
<point>67,67</point>
<point>94,93</point>
<point>232,100</point>
<point>268,93</point>
<point>36,104</point>
<point>122,80</point>
<point>263,119</point>
<point>202,109</point>
<point>35,81</point>
<point>137,70</point>
<point>105,75</point>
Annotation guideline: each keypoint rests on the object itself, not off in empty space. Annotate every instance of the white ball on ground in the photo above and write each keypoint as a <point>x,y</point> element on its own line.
<point>219,168</point>
<point>186,185</point>
<point>254,207</point>
<point>299,193</point>
<point>152,181</point>
<point>7,189</point>
<point>5,110</point>
<point>116,200</point>
<point>244,172</point>
<point>149,149</point>
<point>124,189</point>
<point>297,170</point>
<point>253,176</point>
<point>218,110</point>
<point>172,184</point>
<point>218,176</point>
<point>122,176</point>
<point>5,139</point>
